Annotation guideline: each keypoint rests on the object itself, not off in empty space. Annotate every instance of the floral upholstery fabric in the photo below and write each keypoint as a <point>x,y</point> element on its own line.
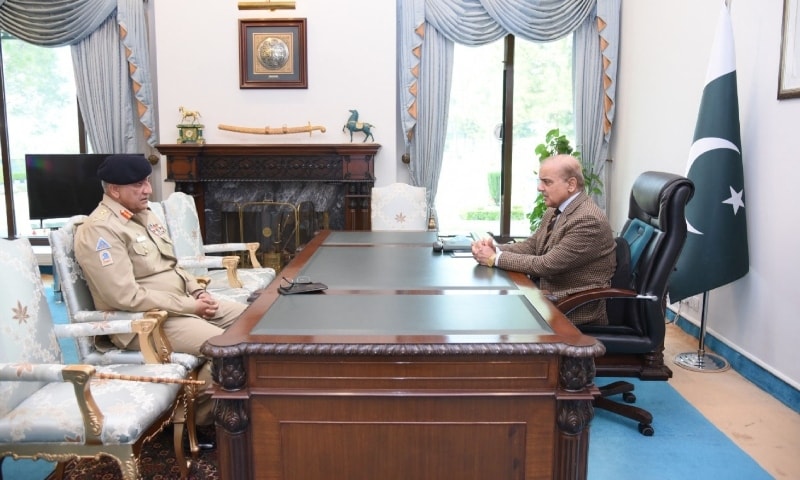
<point>26,327</point>
<point>183,224</point>
<point>158,209</point>
<point>399,206</point>
<point>51,413</point>
<point>35,404</point>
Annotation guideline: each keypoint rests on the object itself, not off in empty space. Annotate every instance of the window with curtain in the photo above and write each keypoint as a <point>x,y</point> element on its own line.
<point>41,116</point>
<point>468,197</point>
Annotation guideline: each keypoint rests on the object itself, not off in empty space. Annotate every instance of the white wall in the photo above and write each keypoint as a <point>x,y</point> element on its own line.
<point>351,65</point>
<point>664,54</point>
<point>665,49</point>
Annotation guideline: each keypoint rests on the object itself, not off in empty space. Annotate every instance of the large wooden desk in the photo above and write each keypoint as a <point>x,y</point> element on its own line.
<point>412,365</point>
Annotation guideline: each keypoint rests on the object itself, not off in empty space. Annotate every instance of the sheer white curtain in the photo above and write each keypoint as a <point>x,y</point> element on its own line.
<point>428,29</point>
<point>111,62</point>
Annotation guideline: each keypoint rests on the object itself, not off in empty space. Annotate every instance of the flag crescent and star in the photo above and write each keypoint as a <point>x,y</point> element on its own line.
<point>716,251</point>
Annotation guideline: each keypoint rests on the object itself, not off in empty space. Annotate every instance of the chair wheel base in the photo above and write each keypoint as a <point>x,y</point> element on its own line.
<point>629,397</point>
<point>646,429</point>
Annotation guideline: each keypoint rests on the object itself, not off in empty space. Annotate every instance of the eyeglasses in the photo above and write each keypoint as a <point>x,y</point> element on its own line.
<point>303,280</point>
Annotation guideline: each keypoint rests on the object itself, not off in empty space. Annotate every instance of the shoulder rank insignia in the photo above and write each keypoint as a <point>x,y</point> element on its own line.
<point>99,214</point>
<point>102,245</point>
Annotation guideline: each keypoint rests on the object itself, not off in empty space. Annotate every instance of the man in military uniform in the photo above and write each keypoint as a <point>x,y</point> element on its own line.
<point>129,264</point>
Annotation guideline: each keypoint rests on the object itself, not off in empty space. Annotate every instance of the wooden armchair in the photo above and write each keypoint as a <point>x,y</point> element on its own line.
<point>183,224</point>
<point>58,412</point>
<point>97,324</point>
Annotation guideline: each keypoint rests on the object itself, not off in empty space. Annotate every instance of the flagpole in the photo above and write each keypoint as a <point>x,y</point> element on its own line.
<point>701,361</point>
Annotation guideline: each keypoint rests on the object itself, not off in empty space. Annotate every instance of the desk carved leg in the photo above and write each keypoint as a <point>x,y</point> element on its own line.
<point>232,420</point>
<point>574,413</point>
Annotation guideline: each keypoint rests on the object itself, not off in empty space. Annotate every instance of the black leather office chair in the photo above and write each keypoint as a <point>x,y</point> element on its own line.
<point>636,302</point>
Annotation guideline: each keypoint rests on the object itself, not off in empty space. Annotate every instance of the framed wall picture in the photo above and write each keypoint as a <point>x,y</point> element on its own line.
<point>789,73</point>
<point>272,53</point>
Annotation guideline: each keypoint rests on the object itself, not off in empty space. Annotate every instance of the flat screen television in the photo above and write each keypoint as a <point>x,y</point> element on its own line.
<point>63,185</point>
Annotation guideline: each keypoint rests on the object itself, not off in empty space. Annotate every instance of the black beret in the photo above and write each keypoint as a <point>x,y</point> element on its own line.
<point>124,169</point>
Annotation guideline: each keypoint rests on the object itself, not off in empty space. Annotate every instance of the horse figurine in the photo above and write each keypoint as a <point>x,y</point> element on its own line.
<point>355,126</point>
<point>186,115</point>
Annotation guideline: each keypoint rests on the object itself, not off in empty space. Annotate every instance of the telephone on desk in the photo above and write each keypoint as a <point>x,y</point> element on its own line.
<point>458,243</point>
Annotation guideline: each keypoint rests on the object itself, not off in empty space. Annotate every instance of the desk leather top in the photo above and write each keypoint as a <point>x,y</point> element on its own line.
<point>391,285</point>
<point>380,238</point>
<point>390,293</point>
<point>463,318</point>
<point>399,267</point>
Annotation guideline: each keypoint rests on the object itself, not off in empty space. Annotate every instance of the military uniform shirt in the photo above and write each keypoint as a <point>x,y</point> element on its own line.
<point>129,262</point>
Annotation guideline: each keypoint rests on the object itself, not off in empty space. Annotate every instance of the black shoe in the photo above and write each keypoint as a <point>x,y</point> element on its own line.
<point>206,439</point>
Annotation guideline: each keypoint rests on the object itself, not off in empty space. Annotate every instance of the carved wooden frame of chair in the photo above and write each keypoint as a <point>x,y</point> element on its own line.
<point>229,262</point>
<point>155,348</point>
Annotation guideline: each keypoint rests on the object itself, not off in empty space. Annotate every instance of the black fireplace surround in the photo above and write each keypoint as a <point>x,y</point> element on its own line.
<point>335,178</point>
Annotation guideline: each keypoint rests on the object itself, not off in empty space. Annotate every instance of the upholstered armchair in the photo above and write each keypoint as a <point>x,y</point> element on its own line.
<point>97,324</point>
<point>647,252</point>
<point>183,224</point>
<point>218,289</point>
<point>399,206</point>
<point>58,412</point>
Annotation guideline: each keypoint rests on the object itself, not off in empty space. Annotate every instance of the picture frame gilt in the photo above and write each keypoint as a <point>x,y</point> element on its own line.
<point>272,53</point>
<point>789,72</point>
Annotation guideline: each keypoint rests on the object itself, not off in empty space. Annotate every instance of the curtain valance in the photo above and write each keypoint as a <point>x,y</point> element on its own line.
<point>54,23</point>
<point>111,57</point>
<point>475,22</point>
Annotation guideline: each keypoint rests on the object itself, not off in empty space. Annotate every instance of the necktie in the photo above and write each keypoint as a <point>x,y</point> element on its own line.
<point>553,220</point>
<point>550,225</point>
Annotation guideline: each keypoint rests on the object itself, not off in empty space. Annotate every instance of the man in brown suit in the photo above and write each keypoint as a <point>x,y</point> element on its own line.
<point>573,248</point>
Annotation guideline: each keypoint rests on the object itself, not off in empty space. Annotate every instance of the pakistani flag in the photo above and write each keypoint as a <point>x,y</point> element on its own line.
<point>715,252</point>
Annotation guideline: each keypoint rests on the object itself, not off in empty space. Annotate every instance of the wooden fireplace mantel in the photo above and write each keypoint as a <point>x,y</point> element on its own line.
<point>193,166</point>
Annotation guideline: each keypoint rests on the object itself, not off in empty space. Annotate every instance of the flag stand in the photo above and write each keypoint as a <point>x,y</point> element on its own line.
<point>700,361</point>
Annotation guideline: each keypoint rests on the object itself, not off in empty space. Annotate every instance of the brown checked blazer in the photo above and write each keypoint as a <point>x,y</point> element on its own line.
<point>578,255</point>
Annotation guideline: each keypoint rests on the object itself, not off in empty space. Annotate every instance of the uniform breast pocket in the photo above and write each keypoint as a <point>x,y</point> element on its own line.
<point>144,258</point>
<point>143,249</point>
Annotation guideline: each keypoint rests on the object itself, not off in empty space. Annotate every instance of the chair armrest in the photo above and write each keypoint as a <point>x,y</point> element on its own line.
<point>101,316</point>
<point>201,262</point>
<point>229,263</point>
<point>154,345</point>
<point>250,248</point>
<point>571,302</point>
<point>32,372</point>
